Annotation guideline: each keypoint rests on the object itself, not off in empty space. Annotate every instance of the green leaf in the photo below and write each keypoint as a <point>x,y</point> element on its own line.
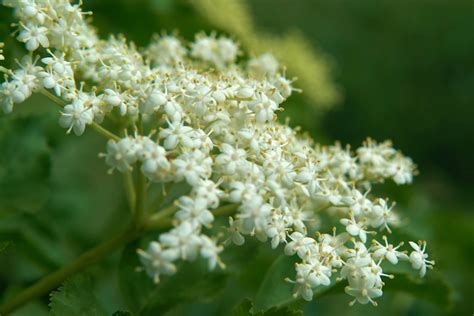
<point>192,283</point>
<point>274,290</point>
<point>245,308</point>
<point>76,298</point>
<point>433,287</point>
<point>25,163</point>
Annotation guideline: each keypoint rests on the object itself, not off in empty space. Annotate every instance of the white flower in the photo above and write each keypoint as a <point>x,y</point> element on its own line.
<point>34,36</point>
<point>167,49</point>
<point>363,289</point>
<point>263,108</point>
<point>154,161</point>
<point>1,51</point>
<point>193,167</point>
<point>208,191</point>
<point>401,169</point>
<point>210,251</point>
<point>300,244</point>
<point>156,261</point>
<point>177,133</point>
<point>194,211</point>
<point>355,228</point>
<point>230,158</point>
<point>358,202</point>
<point>13,92</point>
<point>234,232</point>
<point>264,65</point>
<point>387,251</point>
<point>419,258</point>
<point>120,155</point>
<point>181,242</point>
<point>218,52</point>
<point>76,116</point>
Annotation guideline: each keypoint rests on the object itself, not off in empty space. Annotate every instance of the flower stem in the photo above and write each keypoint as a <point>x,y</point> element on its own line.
<point>129,190</point>
<point>104,132</point>
<point>140,197</point>
<point>225,210</point>
<point>161,219</point>
<point>53,280</point>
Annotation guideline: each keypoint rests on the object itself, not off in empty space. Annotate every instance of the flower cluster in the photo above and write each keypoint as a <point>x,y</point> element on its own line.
<point>212,124</point>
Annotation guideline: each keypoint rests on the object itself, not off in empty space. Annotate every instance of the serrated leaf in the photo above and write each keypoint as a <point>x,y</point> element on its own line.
<point>192,283</point>
<point>76,298</point>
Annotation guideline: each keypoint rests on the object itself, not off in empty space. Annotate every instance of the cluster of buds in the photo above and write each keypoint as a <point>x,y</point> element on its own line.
<point>211,123</point>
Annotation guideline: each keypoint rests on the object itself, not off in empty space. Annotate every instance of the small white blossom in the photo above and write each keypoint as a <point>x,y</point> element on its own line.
<point>76,116</point>
<point>419,258</point>
<point>120,155</point>
<point>34,36</point>
<point>156,261</point>
<point>388,251</point>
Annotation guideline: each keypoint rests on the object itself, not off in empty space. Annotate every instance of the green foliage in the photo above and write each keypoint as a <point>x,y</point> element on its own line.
<point>76,298</point>
<point>245,308</point>
<point>433,287</point>
<point>192,283</point>
<point>274,290</point>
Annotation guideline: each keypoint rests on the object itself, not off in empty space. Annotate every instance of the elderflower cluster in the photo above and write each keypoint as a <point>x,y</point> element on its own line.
<point>211,123</point>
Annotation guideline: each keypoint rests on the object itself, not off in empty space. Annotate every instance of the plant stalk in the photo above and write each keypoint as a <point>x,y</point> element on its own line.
<point>53,280</point>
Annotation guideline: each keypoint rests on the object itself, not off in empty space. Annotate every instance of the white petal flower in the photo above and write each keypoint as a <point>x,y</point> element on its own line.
<point>419,258</point>
<point>120,155</point>
<point>34,36</point>
<point>75,117</point>
<point>363,289</point>
<point>388,251</point>
<point>156,261</point>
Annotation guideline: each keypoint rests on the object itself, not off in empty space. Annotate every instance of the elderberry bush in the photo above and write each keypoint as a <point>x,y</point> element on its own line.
<point>202,116</point>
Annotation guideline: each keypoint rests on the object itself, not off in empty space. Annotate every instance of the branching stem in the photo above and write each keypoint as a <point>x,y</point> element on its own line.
<point>53,280</point>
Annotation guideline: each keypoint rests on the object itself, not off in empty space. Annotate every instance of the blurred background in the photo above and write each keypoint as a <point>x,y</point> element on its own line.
<point>400,70</point>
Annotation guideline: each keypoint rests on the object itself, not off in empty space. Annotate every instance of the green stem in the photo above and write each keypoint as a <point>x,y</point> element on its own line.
<point>140,197</point>
<point>53,280</point>
<point>225,210</point>
<point>161,219</point>
<point>129,190</point>
<point>104,132</point>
